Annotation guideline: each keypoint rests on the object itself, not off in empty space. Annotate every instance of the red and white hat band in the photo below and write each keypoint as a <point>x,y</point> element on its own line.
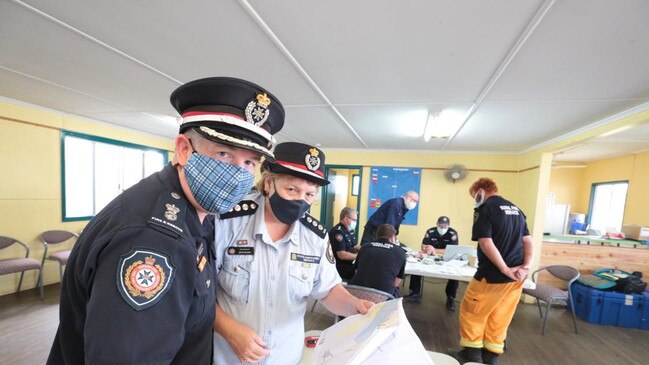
<point>300,168</point>
<point>231,119</point>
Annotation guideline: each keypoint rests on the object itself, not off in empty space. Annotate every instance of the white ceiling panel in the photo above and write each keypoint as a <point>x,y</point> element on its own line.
<point>527,123</point>
<point>583,50</point>
<point>39,93</point>
<point>535,71</point>
<point>188,40</point>
<point>633,140</point>
<point>35,48</point>
<point>142,122</point>
<point>398,51</point>
<point>395,126</point>
<point>317,126</point>
<point>598,150</point>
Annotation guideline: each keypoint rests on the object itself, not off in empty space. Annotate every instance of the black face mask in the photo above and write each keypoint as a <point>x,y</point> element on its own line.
<point>288,211</point>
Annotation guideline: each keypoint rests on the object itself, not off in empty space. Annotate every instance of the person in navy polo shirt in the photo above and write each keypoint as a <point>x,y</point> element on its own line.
<point>343,243</point>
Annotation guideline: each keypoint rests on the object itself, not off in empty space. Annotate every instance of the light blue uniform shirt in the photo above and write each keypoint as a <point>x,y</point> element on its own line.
<point>265,285</point>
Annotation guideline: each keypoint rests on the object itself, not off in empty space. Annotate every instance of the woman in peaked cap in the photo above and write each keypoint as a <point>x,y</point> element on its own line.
<point>272,256</point>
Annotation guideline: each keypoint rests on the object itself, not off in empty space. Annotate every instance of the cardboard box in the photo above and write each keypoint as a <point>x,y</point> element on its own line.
<point>634,232</point>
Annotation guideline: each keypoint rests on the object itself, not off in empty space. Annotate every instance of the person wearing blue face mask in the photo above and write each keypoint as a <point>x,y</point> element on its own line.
<point>272,256</point>
<point>344,243</point>
<point>140,283</point>
<point>437,237</point>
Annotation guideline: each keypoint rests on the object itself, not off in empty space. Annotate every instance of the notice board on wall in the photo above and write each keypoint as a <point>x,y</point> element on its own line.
<point>392,182</point>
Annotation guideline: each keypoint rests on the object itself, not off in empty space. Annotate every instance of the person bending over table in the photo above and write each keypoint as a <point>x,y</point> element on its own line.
<point>381,265</point>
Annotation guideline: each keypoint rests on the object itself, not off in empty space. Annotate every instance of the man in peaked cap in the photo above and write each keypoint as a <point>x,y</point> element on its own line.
<point>436,238</point>
<point>139,285</point>
<point>271,257</point>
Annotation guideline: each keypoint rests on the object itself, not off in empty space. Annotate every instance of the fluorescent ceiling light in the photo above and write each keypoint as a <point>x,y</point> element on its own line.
<point>442,125</point>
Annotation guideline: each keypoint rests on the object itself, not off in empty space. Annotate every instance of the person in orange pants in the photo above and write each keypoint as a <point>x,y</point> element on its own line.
<point>505,252</point>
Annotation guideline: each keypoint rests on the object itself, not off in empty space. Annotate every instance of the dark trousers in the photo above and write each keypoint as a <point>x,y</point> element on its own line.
<point>369,234</point>
<point>415,286</point>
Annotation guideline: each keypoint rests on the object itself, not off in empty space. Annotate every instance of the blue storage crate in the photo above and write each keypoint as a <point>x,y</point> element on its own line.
<point>622,310</point>
<point>588,302</point>
<point>644,322</point>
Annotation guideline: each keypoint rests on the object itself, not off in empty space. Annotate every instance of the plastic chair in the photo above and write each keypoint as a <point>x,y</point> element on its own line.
<point>55,237</point>
<point>549,294</point>
<point>20,265</point>
<point>371,294</point>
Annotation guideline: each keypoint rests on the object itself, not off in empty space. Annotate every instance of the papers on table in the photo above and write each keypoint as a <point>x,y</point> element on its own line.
<point>382,336</point>
<point>455,263</point>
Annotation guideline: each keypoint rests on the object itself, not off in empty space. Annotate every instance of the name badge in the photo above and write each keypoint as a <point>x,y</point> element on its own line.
<point>241,251</point>
<point>305,258</point>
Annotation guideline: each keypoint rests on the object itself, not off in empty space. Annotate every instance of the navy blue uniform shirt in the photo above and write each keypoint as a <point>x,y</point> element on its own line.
<point>433,238</point>
<point>378,264</point>
<point>391,212</point>
<point>505,224</point>
<point>139,286</point>
<point>342,240</point>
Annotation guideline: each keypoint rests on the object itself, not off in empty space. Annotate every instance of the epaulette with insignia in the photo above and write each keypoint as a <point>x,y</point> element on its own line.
<point>168,215</point>
<point>244,207</point>
<point>314,225</point>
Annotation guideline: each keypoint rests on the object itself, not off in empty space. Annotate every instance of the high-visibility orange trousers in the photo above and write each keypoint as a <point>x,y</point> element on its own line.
<point>485,313</point>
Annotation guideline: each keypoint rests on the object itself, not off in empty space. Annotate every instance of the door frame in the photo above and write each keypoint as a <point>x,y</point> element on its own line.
<point>323,206</point>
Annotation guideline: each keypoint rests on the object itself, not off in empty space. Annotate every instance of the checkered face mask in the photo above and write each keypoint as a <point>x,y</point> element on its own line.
<point>216,185</point>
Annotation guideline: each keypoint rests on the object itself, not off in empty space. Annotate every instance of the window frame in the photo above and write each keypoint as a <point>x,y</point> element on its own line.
<point>591,201</point>
<point>356,180</point>
<point>93,138</point>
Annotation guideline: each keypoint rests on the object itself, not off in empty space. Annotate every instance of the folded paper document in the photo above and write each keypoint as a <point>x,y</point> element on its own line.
<point>382,336</point>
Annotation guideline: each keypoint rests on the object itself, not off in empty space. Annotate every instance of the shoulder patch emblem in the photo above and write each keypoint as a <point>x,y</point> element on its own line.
<point>314,225</point>
<point>330,253</point>
<point>453,237</point>
<point>144,276</point>
<point>244,207</point>
<point>476,215</point>
<point>339,237</point>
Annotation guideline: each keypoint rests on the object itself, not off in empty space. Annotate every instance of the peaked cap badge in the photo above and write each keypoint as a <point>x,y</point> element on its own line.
<point>257,111</point>
<point>312,159</point>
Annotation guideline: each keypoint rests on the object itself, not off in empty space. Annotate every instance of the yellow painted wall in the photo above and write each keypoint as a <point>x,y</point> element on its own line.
<point>566,184</point>
<point>30,193</point>
<point>635,169</point>
<point>573,186</point>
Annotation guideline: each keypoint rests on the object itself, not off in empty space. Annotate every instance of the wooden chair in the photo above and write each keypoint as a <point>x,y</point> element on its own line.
<point>20,265</point>
<point>55,237</point>
<point>549,294</point>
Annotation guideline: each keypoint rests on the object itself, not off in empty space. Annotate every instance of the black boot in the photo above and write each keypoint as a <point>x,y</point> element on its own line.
<point>450,304</point>
<point>467,354</point>
<point>489,357</point>
<point>413,297</point>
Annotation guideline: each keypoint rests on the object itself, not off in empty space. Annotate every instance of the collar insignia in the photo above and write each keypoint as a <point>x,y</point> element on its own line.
<point>172,212</point>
